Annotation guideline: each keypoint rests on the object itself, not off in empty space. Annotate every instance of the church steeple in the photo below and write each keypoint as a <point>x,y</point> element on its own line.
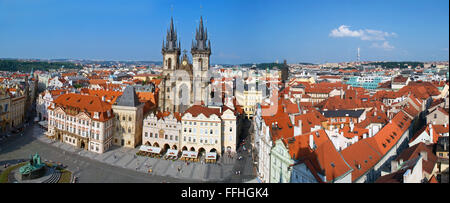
<point>201,38</point>
<point>171,39</point>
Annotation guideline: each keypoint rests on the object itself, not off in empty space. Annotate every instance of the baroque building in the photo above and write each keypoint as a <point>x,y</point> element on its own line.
<point>83,121</point>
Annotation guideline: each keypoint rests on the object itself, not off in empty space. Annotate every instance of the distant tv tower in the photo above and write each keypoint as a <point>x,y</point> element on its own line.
<point>358,56</point>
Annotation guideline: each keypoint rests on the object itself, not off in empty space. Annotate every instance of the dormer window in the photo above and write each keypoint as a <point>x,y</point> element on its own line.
<point>96,115</point>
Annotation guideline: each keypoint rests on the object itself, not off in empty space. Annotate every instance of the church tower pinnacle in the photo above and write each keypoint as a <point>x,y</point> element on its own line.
<point>171,48</point>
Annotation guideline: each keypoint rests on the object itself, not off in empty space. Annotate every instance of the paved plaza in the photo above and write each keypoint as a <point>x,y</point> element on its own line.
<point>121,164</point>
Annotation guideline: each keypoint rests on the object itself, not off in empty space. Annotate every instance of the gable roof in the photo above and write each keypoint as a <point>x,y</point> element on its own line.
<point>324,159</point>
<point>389,135</point>
<point>196,110</point>
<point>414,152</point>
<point>89,104</point>
<point>128,98</point>
<point>362,157</point>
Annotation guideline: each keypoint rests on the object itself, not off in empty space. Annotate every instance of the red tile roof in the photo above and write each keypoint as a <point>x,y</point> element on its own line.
<point>97,82</point>
<point>433,180</point>
<point>441,129</point>
<point>87,103</point>
<point>325,159</point>
<point>309,120</point>
<point>361,157</point>
<point>389,135</point>
<point>414,152</point>
<point>199,109</point>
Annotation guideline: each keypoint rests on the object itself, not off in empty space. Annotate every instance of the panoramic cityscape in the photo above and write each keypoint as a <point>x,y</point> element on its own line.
<point>220,92</point>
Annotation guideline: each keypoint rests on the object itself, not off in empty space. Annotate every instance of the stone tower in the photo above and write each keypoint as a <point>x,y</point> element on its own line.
<point>201,51</point>
<point>171,54</point>
<point>129,115</point>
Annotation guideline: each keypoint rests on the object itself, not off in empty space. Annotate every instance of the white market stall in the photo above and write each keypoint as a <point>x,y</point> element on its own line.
<point>150,151</point>
<point>211,157</point>
<point>172,154</point>
<point>189,156</point>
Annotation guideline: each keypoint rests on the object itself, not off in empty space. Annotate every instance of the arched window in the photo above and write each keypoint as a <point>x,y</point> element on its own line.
<point>200,62</point>
<point>169,63</point>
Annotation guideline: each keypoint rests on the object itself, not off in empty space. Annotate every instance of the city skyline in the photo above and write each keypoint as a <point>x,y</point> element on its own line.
<point>240,32</point>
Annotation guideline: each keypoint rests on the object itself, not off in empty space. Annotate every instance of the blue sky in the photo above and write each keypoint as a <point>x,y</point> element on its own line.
<point>245,31</point>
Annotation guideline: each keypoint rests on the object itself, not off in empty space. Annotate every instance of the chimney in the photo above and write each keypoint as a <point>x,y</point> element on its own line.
<point>431,132</point>
<point>424,155</point>
<point>292,118</point>
<point>300,126</point>
<point>311,142</point>
<point>394,166</point>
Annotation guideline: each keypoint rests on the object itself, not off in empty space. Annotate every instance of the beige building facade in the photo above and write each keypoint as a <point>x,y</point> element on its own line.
<point>128,122</point>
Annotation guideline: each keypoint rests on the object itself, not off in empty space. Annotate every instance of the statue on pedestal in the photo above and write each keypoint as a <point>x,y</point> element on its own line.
<point>34,169</point>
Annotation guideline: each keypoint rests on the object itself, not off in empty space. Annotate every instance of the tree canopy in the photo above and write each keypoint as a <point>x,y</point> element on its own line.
<point>26,66</point>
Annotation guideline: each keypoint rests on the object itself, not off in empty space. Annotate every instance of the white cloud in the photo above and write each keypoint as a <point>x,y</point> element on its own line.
<point>343,31</point>
<point>367,34</point>
<point>385,45</point>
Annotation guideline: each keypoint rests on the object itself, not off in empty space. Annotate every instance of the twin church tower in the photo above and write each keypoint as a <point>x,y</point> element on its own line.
<point>184,83</point>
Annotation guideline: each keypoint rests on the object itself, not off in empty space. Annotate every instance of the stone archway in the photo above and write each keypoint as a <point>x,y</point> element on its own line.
<point>201,151</point>
<point>155,144</point>
<point>166,147</point>
<point>192,149</point>
<point>213,150</point>
<point>82,145</point>
<point>174,147</point>
<point>184,148</point>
